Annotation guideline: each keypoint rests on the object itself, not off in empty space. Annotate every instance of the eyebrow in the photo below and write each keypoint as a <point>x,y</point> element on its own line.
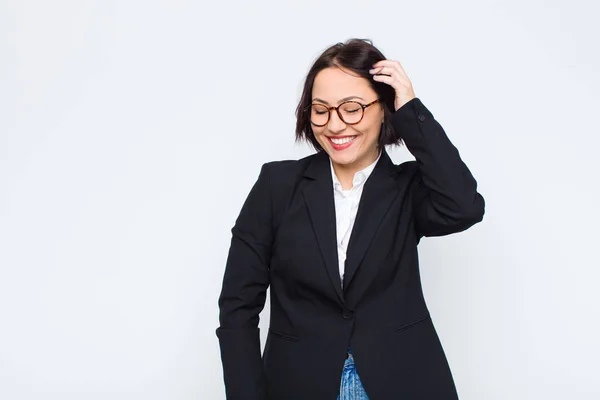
<point>342,100</point>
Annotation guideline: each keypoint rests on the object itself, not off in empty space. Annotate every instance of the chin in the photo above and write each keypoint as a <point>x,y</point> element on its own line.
<point>344,159</point>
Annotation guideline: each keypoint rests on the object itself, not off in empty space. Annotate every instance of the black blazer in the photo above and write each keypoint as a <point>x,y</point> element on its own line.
<point>285,238</point>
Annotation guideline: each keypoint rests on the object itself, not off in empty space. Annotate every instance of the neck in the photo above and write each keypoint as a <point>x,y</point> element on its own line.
<point>345,172</point>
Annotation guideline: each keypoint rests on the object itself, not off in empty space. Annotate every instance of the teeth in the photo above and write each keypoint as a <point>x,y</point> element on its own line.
<point>343,141</point>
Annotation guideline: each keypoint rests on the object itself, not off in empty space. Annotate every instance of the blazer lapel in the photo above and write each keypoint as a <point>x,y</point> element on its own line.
<point>380,190</point>
<point>318,196</point>
<point>378,194</point>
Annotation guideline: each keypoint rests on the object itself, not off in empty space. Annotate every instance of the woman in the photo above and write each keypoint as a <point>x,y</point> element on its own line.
<point>335,237</point>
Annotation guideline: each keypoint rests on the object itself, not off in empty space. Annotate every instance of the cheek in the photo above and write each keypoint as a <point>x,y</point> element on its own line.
<point>318,133</point>
<point>371,133</point>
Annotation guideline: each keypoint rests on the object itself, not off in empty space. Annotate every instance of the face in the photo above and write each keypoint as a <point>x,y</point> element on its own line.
<point>331,86</point>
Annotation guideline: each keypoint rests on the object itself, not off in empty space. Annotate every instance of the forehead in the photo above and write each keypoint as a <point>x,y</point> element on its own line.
<point>332,84</point>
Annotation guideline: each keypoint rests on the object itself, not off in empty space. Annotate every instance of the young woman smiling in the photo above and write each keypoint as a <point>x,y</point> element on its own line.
<point>334,236</point>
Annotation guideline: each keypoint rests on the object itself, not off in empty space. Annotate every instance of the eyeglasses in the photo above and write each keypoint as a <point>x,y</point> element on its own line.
<point>351,112</point>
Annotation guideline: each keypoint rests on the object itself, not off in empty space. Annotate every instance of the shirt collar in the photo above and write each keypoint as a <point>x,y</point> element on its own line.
<point>359,177</point>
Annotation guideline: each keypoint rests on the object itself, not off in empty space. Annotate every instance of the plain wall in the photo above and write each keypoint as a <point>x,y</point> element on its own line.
<point>132,131</point>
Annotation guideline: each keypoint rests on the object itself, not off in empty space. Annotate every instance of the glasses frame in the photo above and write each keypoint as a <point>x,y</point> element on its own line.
<point>336,108</point>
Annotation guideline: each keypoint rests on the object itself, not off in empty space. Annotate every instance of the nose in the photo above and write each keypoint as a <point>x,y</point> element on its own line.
<point>335,124</point>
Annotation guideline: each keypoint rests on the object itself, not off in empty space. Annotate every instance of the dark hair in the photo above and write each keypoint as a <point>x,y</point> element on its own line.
<point>357,55</point>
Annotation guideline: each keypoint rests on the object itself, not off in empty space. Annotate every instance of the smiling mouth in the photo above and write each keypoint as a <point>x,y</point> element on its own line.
<point>341,141</point>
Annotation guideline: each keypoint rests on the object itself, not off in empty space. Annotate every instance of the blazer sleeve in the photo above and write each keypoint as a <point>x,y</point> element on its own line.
<point>243,294</point>
<point>444,192</point>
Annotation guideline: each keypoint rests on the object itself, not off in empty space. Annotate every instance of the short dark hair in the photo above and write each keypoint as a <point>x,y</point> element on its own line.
<point>357,55</point>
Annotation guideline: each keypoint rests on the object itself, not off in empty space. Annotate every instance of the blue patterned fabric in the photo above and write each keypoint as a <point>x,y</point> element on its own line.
<point>351,387</point>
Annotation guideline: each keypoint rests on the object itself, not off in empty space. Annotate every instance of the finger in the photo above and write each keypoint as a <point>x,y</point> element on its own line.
<point>394,64</point>
<point>389,63</point>
<point>385,79</point>
<point>386,71</point>
<point>394,73</point>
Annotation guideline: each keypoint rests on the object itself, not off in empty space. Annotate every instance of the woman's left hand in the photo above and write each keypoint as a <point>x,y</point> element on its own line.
<point>392,73</point>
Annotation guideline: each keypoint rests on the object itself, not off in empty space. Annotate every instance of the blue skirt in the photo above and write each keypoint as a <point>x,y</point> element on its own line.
<point>351,387</point>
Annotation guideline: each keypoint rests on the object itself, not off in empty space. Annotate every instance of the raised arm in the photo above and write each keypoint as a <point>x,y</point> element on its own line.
<point>445,197</point>
<point>243,295</point>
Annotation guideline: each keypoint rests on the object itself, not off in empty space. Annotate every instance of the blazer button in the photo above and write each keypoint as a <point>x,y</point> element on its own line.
<point>421,117</point>
<point>347,314</point>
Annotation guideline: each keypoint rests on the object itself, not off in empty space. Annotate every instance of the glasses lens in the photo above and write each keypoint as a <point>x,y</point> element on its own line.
<point>351,111</point>
<point>319,114</point>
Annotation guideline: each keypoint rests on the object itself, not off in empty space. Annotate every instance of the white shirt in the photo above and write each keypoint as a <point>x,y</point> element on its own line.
<point>346,206</point>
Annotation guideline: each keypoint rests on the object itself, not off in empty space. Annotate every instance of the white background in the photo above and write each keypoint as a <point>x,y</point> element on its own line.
<point>132,131</point>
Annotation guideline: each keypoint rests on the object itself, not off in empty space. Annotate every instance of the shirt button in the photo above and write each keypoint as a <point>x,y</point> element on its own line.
<point>347,314</point>
<point>421,117</point>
